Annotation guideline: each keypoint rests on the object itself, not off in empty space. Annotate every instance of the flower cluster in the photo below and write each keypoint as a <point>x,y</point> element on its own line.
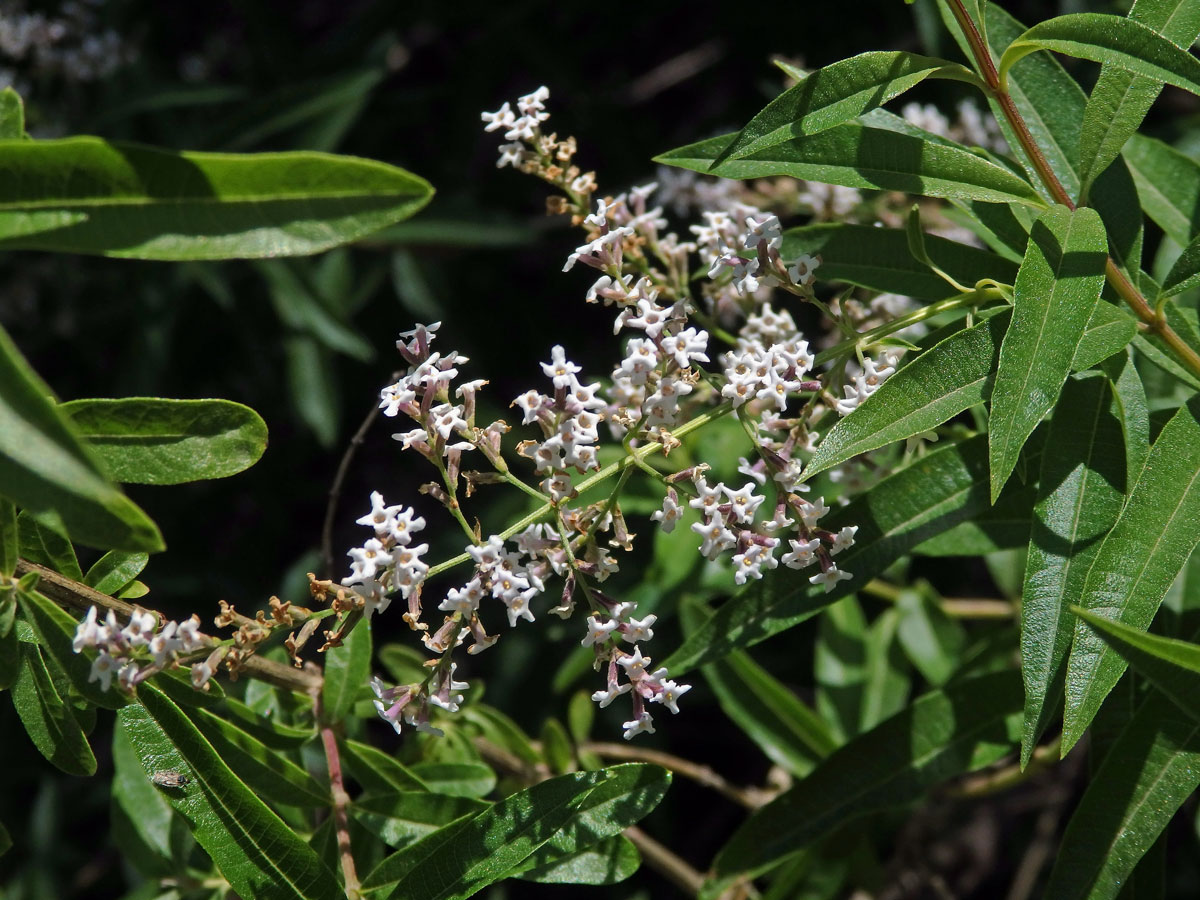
<point>389,561</point>
<point>140,649</point>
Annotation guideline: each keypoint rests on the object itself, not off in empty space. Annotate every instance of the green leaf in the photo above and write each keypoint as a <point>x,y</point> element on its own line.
<point>1152,768</point>
<point>402,817</point>
<point>837,93</point>
<point>878,259</point>
<point>1185,274</point>
<point>376,771</point>
<point>942,734</point>
<point>264,727</point>
<point>9,542</point>
<point>1056,292</point>
<point>932,640</point>
<point>1130,398</point>
<point>1168,184</point>
<point>860,157</point>
<point>1103,38</point>
<point>347,671</point>
<point>1109,330</point>
<point>257,853</point>
<point>953,375</point>
<point>115,570</point>
<point>886,683</point>
<point>783,726</point>
<point>301,308</point>
<point>631,792</point>
<point>1120,100</point>
<point>1080,492</point>
<point>269,773</point>
<point>12,116</point>
<point>459,779</point>
<point>466,856</point>
<point>148,203</point>
<point>1171,665</point>
<point>47,547</point>
<point>55,629</point>
<point>610,861</point>
<point>46,470</point>
<point>151,440</point>
<point>6,840</point>
<point>929,496</point>
<point>312,383</point>
<point>1153,538</point>
<point>47,718</point>
<point>140,808</point>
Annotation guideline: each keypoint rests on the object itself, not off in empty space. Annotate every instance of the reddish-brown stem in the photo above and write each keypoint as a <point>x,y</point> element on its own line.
<point>1151,320</point>
<point>337,787</point>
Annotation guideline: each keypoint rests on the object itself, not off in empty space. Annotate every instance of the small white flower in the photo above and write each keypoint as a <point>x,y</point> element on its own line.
<point>614,691</point>
<point>643,723</point>
<point>843,539</point>
<point>670,694</point>
<point>830,577</point>
<point>670,513</point>
<point>598,632</point>
<point>639,629</point>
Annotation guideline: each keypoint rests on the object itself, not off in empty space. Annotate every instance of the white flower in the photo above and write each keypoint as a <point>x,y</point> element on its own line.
<point>634,664</point>
<point>843,539</point>
<point>639,629</point>
<point>802,555</point>
<point>501,118</point>
<point>598,632</point>
<point>643,723</point>
<point>560,369</point>
<point>801,271</point>
<point>670,513</point>
<point>103,667</point>
<point>614,691</point>
<point>830,577</point>
<point>141,627</point>
<point>670,694</point>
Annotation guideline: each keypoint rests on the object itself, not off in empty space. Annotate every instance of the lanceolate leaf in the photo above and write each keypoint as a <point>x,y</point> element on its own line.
<point>9,546</point>
<point>1169,186</point>
<point>1121,99</point>
<point>612,860</point>
<point>836,93</point>
<point>1152,768</point>
<point>928,497</point>
<point>466,856</point>
<point>878,259</point>
<point>47,718</point>
<point>150,440</point>
<point>1108,331</point>
<point>1130,397</point>
<point>1109,39</point>
<point>46,547</point>
<point>1056,292</point>
<point>255,851</point>
<point>401,818</point>
<point>953,375</point>
<point>860,157</point>
<point>1185,273</point>
<point>1171,665</point>
<point>1081,489</point>
<point>1154,536</point>
<point>156,204</point>
<point>942,734</point>
<point>347,670</point>
<point>46,470</point>
<point>114,570</point>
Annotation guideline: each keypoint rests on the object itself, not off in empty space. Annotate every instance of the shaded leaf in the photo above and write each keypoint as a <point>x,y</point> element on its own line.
<point>837,93</point>
<point>47,718</point>
<point>459,779</point>
<point>466,856</point>
<point>9,541</point>
<point>46,470</point>
<point>1152,539</point>
<point>257,853</point>
<point>376,771</point>
<point>1185,273</point>
<point>1169,186</point>
<point>148,203</point>
<point>879,259</point>
<point>140,807</point>
<point>400,818</point>
<point>12,116</point>
<point>932,640</point>
<point>347,671</point>
<point>610,861</point>
<point>151,440</point>
<point>1056,291</point>
<point>269,773</point>
<point>1171,665</point>
<point>860,157</point>
<point>47,547</point>
<point>1080,491</point>
<point>1151,769</point>
<point>942,734</point>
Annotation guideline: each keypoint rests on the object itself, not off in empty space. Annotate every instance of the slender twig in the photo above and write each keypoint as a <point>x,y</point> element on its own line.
<point>955,607</point>
<point>337,787</point>
<point>1151,319</point>
<point>750,798</point>
<point>335,489</point>
<point>79,597</point>
<point>983,784</point>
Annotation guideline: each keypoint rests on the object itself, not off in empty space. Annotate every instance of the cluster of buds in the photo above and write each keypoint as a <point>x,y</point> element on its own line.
<point>140,649</point>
